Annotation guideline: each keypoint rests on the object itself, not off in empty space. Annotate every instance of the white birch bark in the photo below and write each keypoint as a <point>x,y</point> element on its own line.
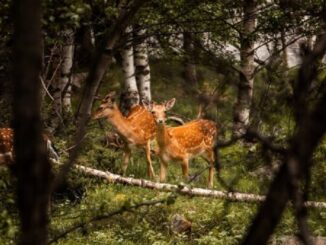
<point>246,81</point>
<point>130,95</point>
<point>143,74</point>
<point>184,190</point>
<point>66,69</point>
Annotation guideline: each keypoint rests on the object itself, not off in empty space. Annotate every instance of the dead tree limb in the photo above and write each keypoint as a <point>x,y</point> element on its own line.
<point>183,190</point>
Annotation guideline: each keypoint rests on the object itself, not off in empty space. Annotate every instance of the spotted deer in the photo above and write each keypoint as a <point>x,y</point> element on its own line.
<point>184,142</point>
<point>7,147</point>
<point>137,129</point>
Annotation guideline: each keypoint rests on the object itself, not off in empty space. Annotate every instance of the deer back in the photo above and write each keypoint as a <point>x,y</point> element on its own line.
<point>194,136</point>
<point>142,121</point>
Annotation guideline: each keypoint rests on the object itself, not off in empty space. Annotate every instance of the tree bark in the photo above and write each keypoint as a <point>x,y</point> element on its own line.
<point>66,69</point>
<point>33,169</point>
<point>143,73</point>
<point>245,87</point>
<point>184,190</point>
<point>190,71</point>
<point>130,95</point>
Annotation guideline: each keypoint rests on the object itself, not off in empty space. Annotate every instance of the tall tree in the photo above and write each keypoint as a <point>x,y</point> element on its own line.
<point>190,72</point>
<point>130,94</point>
<point>33,167</point>
<point>143,73</point>
<point>246,81</point>
<point>66,69</point>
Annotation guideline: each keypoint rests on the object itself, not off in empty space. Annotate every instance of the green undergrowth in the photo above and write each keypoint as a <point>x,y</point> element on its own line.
<point>213,221</point>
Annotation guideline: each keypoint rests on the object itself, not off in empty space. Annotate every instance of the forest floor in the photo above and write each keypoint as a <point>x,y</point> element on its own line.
<point>211,221</point>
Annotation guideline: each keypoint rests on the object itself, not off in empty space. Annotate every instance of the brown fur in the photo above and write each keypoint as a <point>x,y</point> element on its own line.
<point>7,145</point>
<point>136,129</point>
<point>183,142</point>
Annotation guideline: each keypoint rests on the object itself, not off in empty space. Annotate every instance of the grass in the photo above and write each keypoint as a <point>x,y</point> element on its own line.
<point>214,221</point>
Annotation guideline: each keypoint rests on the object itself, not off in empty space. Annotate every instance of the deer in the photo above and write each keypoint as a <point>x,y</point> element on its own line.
<point>137,129</point>
<point>182,143</point>
<point>7,147</point>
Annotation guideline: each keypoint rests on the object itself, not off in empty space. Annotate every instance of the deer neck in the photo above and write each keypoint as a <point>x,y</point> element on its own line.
<point>162,135</point>
<point>121,124</point>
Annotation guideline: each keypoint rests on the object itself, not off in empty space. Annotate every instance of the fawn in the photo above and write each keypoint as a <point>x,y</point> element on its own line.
<point>137,129</point>
<point>184,142</point>
<point>7,146</point>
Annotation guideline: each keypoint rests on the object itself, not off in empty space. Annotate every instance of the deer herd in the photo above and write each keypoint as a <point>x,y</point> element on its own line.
<point>147,122</point>
<point>144,124</point>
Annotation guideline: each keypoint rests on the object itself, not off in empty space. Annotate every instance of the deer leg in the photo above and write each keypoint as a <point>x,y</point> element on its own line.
<point>150,170</point>
<point>125,160</point>
<point>163,169</point>
<point>211,159</point>
<point>185,168</point>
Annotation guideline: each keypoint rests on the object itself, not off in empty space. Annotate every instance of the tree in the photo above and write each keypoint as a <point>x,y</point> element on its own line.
<point>190,66</point>
<point>130,94</point>
<point>143,73</point>
<point>246,81</point>
<point>33,168</point>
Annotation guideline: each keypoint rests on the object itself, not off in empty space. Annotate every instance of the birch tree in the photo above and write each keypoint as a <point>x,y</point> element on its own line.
<point>143,74</point>
<point>246,81</point>
<point>63,84</point>
<point>66,69</point>
<point>130,95</point>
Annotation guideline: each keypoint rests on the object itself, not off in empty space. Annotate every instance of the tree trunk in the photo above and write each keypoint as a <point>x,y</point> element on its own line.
<point>66,69</point>
<point>130,95</point>
<point>33,169</point>
<point>284,50</point>
<point>190,72</point>
<point>143,74</point>
<point>63,84</point>
<point>311,127</point>
<point>245,87</point>
<point>185,190</point>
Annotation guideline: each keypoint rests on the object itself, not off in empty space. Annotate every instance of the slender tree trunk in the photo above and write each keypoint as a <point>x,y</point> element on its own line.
<point>33,169</point>
<point>311,127</point>
<point>245,87</point>
<point>63,84</point>
<point>66,69</point>
<point>284,50</point>
<point>143,73</point>
<point>190,63</point>
<point>130,94</point>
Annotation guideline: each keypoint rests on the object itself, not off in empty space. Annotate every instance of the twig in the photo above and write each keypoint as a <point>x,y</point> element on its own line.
<point>45,88</point>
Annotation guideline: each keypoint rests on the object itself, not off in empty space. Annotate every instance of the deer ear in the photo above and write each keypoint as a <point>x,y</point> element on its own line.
<point>169,104</point>
<point>147,104</point>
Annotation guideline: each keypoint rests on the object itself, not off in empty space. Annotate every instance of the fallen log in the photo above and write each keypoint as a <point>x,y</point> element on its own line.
<point>184,190</point>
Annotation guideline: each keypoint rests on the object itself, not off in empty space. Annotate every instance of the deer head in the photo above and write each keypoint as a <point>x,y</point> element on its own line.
<point>159,110</point>
<point>107,107</point>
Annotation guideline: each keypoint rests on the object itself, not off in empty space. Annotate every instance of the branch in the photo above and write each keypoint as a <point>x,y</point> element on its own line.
<point>311,127</point>
<point>266,141</point>
<point>183,190</point>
